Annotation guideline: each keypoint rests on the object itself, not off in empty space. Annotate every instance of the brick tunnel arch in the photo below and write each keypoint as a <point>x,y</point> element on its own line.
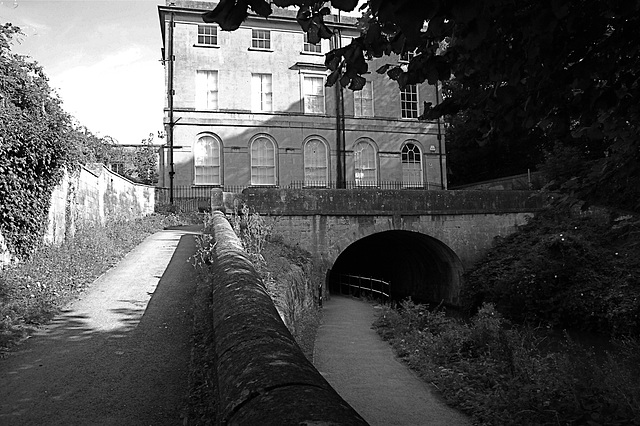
<point>415,264</point>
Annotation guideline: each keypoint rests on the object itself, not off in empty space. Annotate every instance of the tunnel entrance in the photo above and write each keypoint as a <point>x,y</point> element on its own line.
<point>414,264</point>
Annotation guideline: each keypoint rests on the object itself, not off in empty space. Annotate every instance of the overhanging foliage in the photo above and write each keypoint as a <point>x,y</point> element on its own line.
<point>563,70</point>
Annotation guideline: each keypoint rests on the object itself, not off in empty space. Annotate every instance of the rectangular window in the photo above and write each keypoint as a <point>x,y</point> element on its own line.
<point>207,89</point>
<point>409,101</point>
<point>261,39</point>
<point>313,88</point>
<point>261,92</point>
<point>407,56</point>
<point>363,101</point>
<point>118,168</point>
<point>208,35</point>
<point>311,48</point>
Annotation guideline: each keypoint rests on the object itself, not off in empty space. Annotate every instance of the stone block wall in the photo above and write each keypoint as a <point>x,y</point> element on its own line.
<point>91,196</point>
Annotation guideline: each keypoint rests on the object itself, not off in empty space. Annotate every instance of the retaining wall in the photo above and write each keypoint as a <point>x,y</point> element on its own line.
<point>263,376</point>
<point>91,196</point>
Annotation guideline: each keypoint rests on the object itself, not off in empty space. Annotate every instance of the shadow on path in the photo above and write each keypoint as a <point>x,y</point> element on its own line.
<point>117,356</point>
<point>364,371</point>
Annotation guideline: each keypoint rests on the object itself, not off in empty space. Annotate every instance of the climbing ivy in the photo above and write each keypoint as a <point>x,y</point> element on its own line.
<point>35,147</point>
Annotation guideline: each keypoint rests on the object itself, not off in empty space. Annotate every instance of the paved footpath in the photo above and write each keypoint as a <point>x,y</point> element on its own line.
<point>362,368</point>
<point>117,356</point>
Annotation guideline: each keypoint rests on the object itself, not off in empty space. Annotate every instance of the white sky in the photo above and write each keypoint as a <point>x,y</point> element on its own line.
<point>102,57</point>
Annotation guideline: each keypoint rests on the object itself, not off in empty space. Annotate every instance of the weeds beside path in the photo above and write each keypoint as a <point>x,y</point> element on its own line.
<point>363,370</point>
<point>119,355</point>
<point>503,375</point>
<point>32,292</point>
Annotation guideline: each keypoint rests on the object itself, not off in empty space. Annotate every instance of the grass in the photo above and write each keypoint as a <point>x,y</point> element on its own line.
<point>500,374</point>
<point>32,292</point>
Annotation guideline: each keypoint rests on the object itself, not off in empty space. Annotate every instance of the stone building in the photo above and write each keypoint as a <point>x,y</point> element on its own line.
<point>250,108</point>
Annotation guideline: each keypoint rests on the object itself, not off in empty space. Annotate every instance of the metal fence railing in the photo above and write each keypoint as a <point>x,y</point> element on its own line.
<point>357,286</point>
<point>185,198</point>
<point>364,184</point>
<point>197,198</point>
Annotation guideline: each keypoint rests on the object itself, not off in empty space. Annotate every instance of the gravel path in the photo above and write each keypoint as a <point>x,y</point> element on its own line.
<point>117,356</point>
<point>364,371</point>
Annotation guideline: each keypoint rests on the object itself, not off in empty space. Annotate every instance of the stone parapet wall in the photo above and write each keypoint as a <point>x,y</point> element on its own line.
<point>263,376</point>
<point>389,202</point>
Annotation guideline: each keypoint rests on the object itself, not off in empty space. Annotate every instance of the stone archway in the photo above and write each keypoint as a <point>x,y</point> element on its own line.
<point>415,264</point>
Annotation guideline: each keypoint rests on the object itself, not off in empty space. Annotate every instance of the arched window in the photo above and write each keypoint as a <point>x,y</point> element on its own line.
<point>263,161</point>
<point>411,166</point>
<point>206,156</point>
<point>316,163</point>
<point>366,173</point>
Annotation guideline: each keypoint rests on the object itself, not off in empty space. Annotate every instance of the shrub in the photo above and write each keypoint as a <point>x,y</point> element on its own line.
<point>503,375</point>
<point>568,270</point>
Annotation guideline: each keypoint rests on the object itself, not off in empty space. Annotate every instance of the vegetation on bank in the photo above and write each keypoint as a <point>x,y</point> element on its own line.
<point>567,269</point>
<point>572,267</point>
<point>32,292</point>
<point>500,374</point>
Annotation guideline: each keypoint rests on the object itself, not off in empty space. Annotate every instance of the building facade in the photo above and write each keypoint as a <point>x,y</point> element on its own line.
<point>250,108</point>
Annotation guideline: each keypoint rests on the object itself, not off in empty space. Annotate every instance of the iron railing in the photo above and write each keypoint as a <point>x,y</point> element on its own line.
<point>357,286</point>
<point>197,198</point>
<point>185,198</point>
<point>364,184</point>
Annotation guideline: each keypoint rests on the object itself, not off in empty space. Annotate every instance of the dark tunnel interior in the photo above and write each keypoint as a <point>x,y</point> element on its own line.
<point>414,264</point>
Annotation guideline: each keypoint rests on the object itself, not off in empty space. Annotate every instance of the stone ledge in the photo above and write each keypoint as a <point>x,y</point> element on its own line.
<point>263,376</point>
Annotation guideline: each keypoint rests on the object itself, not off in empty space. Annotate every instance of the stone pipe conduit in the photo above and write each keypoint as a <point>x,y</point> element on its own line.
<point>263,376</point>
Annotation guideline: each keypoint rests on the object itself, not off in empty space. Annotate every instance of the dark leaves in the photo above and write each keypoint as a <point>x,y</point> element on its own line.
<point>261,7</point>
<point>311,20</point>
<point>229,14</point>
<point>346,5</point>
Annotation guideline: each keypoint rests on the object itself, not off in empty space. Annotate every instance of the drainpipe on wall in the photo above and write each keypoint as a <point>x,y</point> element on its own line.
<point>170,105</point>
<point>439,141</point>
<point>340,125</point>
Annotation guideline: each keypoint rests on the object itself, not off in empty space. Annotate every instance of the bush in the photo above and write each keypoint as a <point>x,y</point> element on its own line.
<point>567,270</point>
<point>504,375</point>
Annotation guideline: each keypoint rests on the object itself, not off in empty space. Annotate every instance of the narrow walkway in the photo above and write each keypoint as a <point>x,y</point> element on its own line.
<point>119,355</point>
<point>364,371</point>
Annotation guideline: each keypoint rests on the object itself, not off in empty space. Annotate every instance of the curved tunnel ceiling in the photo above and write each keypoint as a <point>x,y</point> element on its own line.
<point>415,264</point>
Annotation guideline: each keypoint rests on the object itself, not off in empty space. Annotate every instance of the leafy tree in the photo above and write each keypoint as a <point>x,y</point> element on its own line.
<point>475,153</point>
<point>34,147</point>
<point>145,163</point>
<point>566,70</point>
